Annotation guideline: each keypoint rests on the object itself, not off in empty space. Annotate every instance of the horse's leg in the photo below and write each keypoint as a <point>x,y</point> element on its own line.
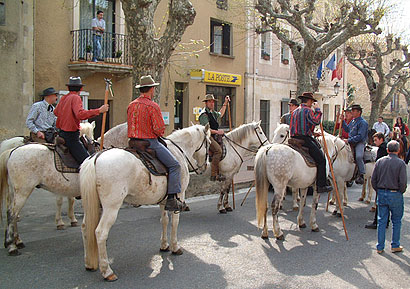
<point>276,202</point>
<point>164,221</point>
<point>175,249</point>
<point>295,195</point>
<point>313,211</point>
<point>59,220</point>
<point>301,221</point>
<point>345,194</point>
<point>265,234</point>
<point>226,199</point>
<point>370,191</point>
<point>363,191</point>
<point>108,217</point>
<point>73,220</point>
<point>220,207</point>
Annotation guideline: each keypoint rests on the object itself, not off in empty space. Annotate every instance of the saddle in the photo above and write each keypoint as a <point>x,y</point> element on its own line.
<point>63,160</point>
<point>296,144</point>
<point>139,148</point>
<point>219,139</point>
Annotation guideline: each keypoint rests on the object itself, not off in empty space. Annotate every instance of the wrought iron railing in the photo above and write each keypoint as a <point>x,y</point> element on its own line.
<point>115,48</point>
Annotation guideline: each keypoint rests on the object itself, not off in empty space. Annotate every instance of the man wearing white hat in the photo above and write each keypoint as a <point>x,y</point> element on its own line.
<point>145,122</point>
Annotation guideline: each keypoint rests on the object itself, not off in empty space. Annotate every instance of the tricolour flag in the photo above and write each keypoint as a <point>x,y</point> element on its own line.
<point>320,71</point>
<point>338,72</point>
<point>332,63</point>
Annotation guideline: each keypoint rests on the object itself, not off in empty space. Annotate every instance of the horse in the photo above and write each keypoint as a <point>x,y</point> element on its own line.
<point>240,143</point>
<point>282,166</point>
<point>116,137</point>
<point>87,129</point>
<point>117,176</point>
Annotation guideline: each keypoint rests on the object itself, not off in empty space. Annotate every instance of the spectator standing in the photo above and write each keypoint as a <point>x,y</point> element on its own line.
<point>381,126</point>
<point>390,181</point>
<point>404,130</point>
<point>98,26</point>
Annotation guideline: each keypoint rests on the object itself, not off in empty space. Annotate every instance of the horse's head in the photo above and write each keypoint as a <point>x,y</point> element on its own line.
<point>281,134</point>
<point>261,137</point>
<point>87,129</point>
<point>396,133</point>
<point>202,143</point>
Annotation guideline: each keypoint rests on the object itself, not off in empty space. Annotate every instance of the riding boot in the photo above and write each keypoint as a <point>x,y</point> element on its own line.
<point>360,180</point>
<point>174,204</point>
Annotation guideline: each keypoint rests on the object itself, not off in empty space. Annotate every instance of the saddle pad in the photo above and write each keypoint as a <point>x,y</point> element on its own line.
<point>310,162</point>
<point>153,165</point>
<point>223,147</point>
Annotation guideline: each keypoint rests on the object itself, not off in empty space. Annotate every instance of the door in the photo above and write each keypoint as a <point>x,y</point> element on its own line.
<point>219,93</point>
<point>179,105</point>
<point>96,103</point>
<point>265,116</point>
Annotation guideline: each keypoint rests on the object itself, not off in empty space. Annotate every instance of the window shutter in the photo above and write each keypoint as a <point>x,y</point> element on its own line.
<point>226,39</point>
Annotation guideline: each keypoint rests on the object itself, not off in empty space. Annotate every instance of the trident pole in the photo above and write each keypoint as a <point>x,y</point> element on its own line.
<point>230,128</point>
<point>108,84</point>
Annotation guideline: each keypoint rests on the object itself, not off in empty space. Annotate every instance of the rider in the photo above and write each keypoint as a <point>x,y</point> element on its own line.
<point>348,119</point>
<point>209,115</point>
<point>302,124</point>
<point>357,130</point>
<point>69,112</point>
<point>145,122</point>
<point>41,116</point>
<point>293,104</point>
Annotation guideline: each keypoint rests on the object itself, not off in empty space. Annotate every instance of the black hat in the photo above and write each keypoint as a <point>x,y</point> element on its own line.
<point>293,101</point>
<point>356,107</point>
<point>49,91</point>
<point>75,81</point>
<point>307,95</point>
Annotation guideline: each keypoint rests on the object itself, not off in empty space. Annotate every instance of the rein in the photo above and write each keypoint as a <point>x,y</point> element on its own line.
<point>286,137</point>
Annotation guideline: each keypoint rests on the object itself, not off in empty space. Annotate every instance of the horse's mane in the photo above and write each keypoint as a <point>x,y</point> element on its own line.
<point>241,132</point>
<point>181,134</point>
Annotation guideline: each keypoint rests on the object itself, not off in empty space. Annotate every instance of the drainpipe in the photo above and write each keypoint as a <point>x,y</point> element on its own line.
<point>254,74</point>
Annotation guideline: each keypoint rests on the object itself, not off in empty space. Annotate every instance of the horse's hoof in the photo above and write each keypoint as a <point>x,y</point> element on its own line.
<point>367,202</point>
<point>334,213</point>
<point>295,209</point>
<point>178,252</point>
<point>372,210</point>
<point>339,215</point>
<point>316,230</point>
<point>90,269</point>
<point>228,209</point>
<point>186,209</point>
<point>20,245</point>
<point>111,278</point>
<point>60,227</point>
<point>265,237</point>
<point>223,211</point>
<point>164,250</point>
<point>74,224</point>
<point>14,252</point>
<point>331,203</point>
<point>345,204</point>
<point>280,208</point>
<point>280,238</point>
<point>361,199</point>
<point>302,226</point>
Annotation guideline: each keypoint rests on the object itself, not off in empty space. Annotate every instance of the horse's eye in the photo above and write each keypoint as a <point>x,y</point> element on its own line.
<point>282,135</point>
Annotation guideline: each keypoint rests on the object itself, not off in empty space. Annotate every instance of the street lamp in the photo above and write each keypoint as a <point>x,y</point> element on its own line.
<point>336,88</point>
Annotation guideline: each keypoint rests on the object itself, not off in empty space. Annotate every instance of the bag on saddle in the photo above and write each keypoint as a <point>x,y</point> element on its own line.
<point>140,148</point>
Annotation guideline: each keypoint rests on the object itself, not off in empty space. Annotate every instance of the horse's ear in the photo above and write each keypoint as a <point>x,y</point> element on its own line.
<point>192,124</point>
<point>259,122</point>
<point>93,124</point>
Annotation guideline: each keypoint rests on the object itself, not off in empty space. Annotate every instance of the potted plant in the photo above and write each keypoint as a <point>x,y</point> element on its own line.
<point>265,55</point>
<point>118,55</point>
<point>285,61</point>
<point>89,55</point>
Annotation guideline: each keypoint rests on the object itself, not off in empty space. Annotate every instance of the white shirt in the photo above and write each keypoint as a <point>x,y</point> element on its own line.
<point>98,23</point>
<point>382,127</point>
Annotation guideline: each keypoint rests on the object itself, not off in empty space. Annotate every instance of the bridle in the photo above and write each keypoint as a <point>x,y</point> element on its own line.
<point>286,137</point>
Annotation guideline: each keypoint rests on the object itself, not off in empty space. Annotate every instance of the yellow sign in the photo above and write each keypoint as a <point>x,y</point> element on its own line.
<point>196,73</point>
<point>224,78</point>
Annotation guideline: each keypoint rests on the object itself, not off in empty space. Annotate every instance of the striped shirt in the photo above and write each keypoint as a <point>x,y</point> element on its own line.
<point>40,117</point>
<point>144,119</point>
<point>304,120</point>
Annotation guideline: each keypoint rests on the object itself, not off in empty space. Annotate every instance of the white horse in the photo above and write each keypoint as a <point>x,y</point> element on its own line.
<point>117,176</point>
<point>281,166</point>
<point>116,137</point>
<point>87,129</point>
<point>240,143</point>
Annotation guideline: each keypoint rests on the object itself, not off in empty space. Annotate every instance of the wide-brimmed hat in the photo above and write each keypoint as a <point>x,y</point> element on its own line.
<point>75,81</point>
<point>146,81</point>
<point>307,95</point>
<point>348,109</point>
<point>294,102</point>
<point>209,97</point>
<point>49,91</point>
<point>356,107</point>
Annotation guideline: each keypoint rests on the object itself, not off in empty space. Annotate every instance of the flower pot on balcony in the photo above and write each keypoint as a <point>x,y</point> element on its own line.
<point>285,61</point>
<point>89,56</point>
<point>266,57</point>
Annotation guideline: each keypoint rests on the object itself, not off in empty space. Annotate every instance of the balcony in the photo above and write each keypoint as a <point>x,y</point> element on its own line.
<point>115,55</point>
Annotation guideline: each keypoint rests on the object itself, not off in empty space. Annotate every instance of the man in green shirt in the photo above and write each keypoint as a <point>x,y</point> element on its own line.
<point>209,115</point>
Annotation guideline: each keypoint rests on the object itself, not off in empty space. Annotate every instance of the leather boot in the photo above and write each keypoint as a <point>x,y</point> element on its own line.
<point>174,205</point>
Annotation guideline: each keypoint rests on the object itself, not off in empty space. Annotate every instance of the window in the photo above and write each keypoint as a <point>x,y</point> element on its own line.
<point>220,38</point>
<point>284,51</point>
<point>284,107</point>
<point>265,46</point>
<point>2,13</point>
<point>394,105</point>
<point>265,115</point>
<point>222,4</point>
<point>180,88</point>
<point>325,112</point>
<point>220,92</point>
<point>337,110</point>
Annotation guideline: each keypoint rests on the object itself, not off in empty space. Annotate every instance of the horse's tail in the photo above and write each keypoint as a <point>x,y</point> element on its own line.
<point>261,185</point>
<point>91,207</point>
<point>4,183</point>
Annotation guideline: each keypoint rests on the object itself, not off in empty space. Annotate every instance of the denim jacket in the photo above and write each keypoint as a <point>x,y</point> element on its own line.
<point>357,130</point>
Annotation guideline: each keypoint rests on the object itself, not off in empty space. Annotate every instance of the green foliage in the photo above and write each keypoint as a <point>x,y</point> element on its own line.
<point>328,126</point>
<point>88,48</point>
<point>118,54</point>
<point>350,94</point>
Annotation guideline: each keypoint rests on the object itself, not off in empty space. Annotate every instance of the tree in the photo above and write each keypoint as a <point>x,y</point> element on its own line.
<point>150,53</point>
<point>383,67</point>
<point>316,41</point>
<point>406,92</point>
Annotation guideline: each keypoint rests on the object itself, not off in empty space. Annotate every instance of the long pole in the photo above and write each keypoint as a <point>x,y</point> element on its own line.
<point>230,128</point>
<point>107,90</point>
<point>250,188</point>
<point>333,178</point>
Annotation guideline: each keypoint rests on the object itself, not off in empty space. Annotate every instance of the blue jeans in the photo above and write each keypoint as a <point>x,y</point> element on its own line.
<point>359,148</point>
<point>389,202</point>
<point>168,159</point>
<point>97,47</point>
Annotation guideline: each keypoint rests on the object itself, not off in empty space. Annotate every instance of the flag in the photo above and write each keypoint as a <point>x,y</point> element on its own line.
<point>338,72</point>
<point>332,63</point>
<point>319,71</point>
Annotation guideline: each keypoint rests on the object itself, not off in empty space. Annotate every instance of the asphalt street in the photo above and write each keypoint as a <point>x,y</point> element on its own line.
<point>220,251</point>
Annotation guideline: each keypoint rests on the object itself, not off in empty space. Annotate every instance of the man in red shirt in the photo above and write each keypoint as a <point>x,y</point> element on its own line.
<point>145,122</point>
<point>69,112</point>
<point>348,119</point>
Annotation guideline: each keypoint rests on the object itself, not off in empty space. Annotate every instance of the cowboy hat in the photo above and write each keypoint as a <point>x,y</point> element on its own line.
<point>146,81</point>
<point>293,101</point>
<point>356,107</point>
<point>307,95</point>
<point>75,81</point>
<point>209,97</point>
<point>49,91</point>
